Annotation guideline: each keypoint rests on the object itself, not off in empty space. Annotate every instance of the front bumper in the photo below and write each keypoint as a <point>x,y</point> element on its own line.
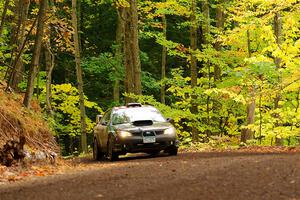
<point>135,144</point>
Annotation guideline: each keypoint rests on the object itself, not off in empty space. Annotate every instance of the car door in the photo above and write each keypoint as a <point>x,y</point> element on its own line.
<point>103,130</point>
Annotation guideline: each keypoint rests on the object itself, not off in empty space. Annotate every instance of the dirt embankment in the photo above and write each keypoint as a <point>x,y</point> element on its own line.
<point>18,122</point>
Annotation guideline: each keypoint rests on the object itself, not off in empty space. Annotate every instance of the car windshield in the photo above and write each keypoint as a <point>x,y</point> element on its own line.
<point>128,115</point>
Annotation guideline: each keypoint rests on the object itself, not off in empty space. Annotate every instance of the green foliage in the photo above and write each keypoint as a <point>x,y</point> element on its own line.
<point>104,66</point>
<point>150,84</point>
<point>40,81</point>
<point>65,103</point>
<point>100,73</point>
<point>245,50</point>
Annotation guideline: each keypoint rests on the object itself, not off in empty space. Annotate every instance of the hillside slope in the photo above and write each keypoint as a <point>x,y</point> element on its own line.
<point>17,121</point>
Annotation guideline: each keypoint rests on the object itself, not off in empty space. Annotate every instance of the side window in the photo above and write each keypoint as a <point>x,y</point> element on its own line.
<point>106,118</point>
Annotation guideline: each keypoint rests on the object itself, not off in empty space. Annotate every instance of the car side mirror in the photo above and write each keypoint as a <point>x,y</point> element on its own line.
<point>170,120</point>
<point>98,118</point>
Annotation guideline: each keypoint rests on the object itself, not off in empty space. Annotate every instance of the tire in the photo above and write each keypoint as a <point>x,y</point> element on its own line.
<point>112,156</point>
<point>97,153</point>
<point>173,151</point>
<point>154,153</point>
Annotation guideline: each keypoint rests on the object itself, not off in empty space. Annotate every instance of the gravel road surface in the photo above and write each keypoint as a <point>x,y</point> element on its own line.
<point>186,176</point>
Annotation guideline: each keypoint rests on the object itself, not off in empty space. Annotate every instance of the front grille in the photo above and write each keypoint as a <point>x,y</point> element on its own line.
<point>148,133</point>
<point>140,133</point>
<point>150,145</point>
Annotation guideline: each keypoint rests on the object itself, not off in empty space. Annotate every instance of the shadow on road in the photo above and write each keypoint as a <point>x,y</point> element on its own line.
<point>123,158</point>
<point>180,156</point>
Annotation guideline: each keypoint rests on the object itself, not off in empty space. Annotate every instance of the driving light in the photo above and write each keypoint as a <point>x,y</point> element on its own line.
<point>124,134</point>
<point>170,131</point>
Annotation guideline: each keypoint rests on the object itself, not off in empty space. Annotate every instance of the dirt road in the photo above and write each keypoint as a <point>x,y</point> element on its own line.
<point>186,176</point>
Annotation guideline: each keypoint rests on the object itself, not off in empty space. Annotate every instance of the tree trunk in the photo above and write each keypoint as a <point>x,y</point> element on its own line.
<point>36,53</point>
<point>135,47</point>
<point>278,35</point>
<point>131,51</point>
<point>298,100</point>
<point>163,62</point>
<point>220,27</point>
<point>15,26</point>
<point>79,24</point>
<point>128,80</point>
<point>79,78</point>
<point>206,21</point>
<point>17,76</point>
<point>247,134</point>
<point>249,44</point>
<point>194,70</point>
<point>119,48</point>
<point>19,54</point>
<point>220,19</point>
<point>49,60</point>
<point>3,17</point>
<point>12,43</point>
<point>206,32</point>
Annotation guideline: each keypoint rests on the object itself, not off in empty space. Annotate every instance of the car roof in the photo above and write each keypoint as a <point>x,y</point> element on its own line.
<point>131,107</point>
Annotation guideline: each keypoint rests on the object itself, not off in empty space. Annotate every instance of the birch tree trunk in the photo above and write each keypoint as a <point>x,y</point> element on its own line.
<point>36,54</point>
<point>79,78</point>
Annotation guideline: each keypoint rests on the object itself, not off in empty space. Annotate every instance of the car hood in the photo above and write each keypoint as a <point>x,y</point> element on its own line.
<point>132,128</point>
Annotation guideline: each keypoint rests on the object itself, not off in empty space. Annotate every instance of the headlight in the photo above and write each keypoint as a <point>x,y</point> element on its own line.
<point>124,134</point>
<point>170,131</point>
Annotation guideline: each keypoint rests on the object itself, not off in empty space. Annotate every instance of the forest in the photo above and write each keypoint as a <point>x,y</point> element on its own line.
<point>226,71</point>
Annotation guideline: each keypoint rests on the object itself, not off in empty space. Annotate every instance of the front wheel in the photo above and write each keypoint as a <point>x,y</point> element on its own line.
<point>173,151</point>
<point>111,155</point>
